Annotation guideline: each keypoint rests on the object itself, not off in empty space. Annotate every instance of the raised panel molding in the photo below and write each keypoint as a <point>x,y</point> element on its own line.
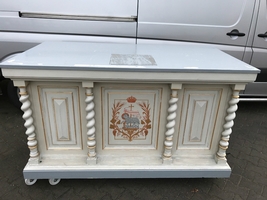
<point>61,120</point>
<point>61,110</point>
<point>197,124</point>
<point>198,114</point>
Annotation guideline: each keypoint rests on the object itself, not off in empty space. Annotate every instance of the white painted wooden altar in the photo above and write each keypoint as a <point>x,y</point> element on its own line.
<point>95,110</point>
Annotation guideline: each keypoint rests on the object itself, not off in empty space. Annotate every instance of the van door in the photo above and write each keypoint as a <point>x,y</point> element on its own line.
<point>90,17</point>
<point>208,21</point>
<point>259,54</point>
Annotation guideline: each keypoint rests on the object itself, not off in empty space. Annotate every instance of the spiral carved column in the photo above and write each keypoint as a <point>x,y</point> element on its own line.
<point>168,143</point>
<point>90,117</point>
<point>30,132</point>
<point>224,142</point>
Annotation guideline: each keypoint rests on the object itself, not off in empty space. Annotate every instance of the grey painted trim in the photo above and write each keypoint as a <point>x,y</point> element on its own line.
<point>127,68</point>
<point>99,174</point>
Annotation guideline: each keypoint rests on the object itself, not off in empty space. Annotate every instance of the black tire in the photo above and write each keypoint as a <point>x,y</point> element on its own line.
<point>13,94</point>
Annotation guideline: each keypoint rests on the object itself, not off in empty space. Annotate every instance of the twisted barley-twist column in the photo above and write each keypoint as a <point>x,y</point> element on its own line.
<point>224,142</point>
<point>91,142</point>
<point>168,143</point>
<point>30,132</point>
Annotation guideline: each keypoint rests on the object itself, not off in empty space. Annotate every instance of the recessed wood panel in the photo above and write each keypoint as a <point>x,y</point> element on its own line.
<point>61,113</point>
<point>198,118</point>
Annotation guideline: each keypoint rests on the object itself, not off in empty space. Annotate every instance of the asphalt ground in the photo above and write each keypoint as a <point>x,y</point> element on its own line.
<point>247,156</point>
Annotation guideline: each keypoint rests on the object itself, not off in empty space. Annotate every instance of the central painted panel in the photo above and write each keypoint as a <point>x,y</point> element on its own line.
<point>131,117</point>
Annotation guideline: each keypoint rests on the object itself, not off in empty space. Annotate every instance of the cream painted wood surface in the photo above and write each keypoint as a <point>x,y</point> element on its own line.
<point>194,134</point>
<point>87,122</point>
<point>60,110</point>
<point>199,112</point>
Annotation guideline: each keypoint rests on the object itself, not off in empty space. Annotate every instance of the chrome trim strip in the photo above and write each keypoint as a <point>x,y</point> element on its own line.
<point>77,17</point>
<point>252,99</point>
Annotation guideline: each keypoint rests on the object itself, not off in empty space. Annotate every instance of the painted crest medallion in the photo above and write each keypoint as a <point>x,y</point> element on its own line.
<point>130,119</point>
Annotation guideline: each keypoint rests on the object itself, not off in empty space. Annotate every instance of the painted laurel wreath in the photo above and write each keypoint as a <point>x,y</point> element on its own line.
<point>130,134</point>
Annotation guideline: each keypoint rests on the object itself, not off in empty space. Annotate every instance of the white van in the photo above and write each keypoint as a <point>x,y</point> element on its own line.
<point>238,28</point>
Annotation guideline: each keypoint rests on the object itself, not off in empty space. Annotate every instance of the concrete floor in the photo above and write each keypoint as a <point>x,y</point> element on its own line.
<point>247,157</point>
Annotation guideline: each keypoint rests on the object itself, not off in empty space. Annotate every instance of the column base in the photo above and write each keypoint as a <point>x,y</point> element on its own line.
<point>167,160</point>
<point>220,160</point>
<point>91,160</point>
<point>34,161</point>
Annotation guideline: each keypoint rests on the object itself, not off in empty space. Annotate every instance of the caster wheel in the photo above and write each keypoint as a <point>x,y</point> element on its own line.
<point>54,181</point>
<point>30,181</point>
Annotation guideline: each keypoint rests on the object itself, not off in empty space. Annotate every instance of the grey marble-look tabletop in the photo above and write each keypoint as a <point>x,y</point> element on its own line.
<point>127,57</point>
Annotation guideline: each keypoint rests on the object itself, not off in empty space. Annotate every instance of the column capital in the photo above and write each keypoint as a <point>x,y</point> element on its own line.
<point>176,86</point>
<point>88,84</point>
<point>238,87</point>
<point>20,83</point>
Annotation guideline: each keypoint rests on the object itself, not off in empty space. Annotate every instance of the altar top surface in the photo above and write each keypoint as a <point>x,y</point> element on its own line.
<point>127,57</point>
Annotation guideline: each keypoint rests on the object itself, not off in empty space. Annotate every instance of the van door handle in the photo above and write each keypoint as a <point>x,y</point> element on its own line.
<point>235,32</point>
<point>263,35</point>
